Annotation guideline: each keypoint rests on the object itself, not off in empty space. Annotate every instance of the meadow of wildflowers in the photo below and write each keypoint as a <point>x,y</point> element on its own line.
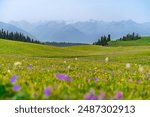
<point>109,74</point>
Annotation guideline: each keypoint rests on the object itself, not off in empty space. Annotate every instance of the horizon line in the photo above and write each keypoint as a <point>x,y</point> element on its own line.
<point>73,21</point>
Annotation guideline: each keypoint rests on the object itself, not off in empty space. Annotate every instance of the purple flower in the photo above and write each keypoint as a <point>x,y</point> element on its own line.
<point>47,92</point>
<point>94,98</point>
<point>63,77</point>
<point>13,79</point>
<point>138,81</point>
<point>119,95</point>
<point>96,79</point>
<point>89,96</point>
<point>29,66</point>
<point>16,88</point>
<point>91,79</point>
<point>102,95</point>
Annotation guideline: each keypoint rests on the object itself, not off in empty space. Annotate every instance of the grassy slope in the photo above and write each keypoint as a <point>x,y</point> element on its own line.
<point>145,41</point>
<point>29,49</point>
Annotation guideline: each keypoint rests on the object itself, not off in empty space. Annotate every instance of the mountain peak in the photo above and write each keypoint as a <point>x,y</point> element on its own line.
<point>87,31</point>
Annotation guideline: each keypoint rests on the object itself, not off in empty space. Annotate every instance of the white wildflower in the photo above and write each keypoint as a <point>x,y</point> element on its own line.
<point>8,71</point>
<point>130,80</point>
<point>65,62</point>
<point>76,58</point>
<point>106,59</point>
<point>92,91</point>
<point>140,68</point>
<point>17,63</point>
<point>69,67</point>
<point>128,65</point>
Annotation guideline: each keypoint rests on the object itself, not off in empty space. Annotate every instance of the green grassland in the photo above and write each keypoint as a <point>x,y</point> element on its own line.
<point>141,42</point>
<point>127,70</point>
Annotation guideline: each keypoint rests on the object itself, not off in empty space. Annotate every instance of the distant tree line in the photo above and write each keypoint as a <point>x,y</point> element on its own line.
<point>16,37</point>
<point>129,37</point>
<point>63,44</point>
<point>103,40</point>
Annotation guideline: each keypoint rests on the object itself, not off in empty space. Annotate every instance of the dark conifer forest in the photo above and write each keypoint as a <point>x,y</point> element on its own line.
<point>16,36</point>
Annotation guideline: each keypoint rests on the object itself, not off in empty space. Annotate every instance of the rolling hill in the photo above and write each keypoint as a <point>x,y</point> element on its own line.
<point>145,41</point>
<point>8,47</point>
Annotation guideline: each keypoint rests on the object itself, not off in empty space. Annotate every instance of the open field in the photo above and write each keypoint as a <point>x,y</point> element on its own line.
<point>31,71</point>
<point>145,41</point>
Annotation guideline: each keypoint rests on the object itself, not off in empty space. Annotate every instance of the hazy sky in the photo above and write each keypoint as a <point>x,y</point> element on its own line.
<point>74,10</point>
